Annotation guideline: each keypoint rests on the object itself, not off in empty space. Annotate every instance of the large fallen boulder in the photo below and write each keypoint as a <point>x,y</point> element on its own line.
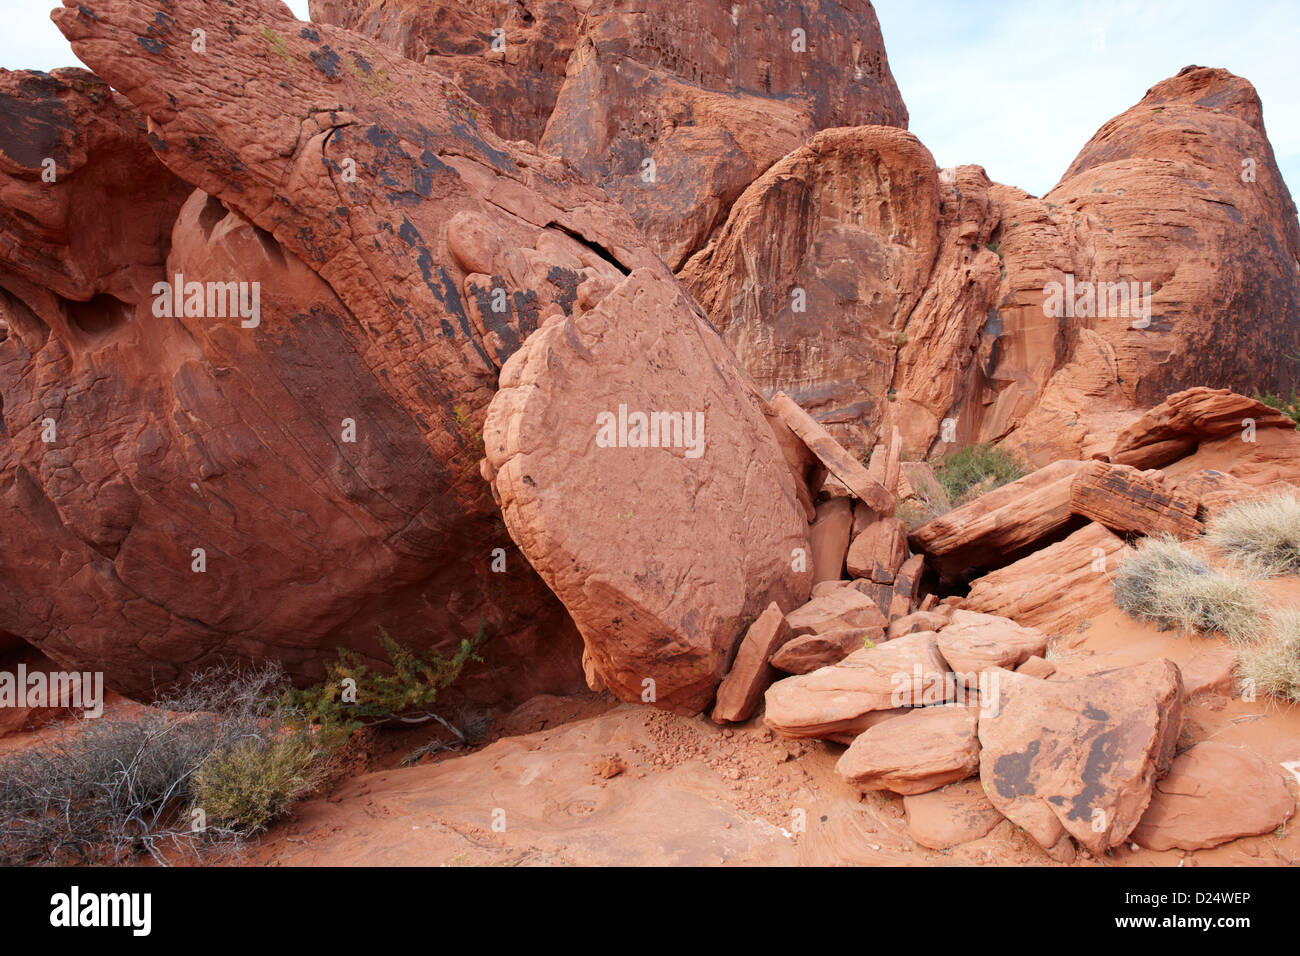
<point>637,473</point>
<point>920,751</point>
<point>1214,793</point>
<point>1079,758</point>
<point>905,672</point>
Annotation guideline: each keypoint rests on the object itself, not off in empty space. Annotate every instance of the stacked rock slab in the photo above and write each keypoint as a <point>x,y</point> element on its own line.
<point>1127,500</point>
<point>837,700</point>
<point>922,750</point>
<point>983,531</point>
<point>1029,590</point>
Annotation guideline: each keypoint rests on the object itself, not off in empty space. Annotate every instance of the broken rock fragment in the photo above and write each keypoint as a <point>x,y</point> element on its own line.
<point>907,672</point>
<point>918,752</point>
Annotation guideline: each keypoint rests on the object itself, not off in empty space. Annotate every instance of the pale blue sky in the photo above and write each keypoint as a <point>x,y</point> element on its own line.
<point>1017,86</point>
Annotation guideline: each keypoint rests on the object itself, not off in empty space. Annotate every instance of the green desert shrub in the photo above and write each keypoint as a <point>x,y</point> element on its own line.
<point>1165,583</point>
<point>977,468</point>
<point>1264,534</point>
<point>1288,407</point>
<point>1272,664</point>
<point>353,695</point>
<point>244,787</point>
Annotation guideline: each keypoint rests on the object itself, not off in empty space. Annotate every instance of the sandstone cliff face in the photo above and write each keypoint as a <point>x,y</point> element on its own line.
<point>675,108</point>
<point>1181,192</point>
<point>508,57</point>
<point>324,461</point>
<point>672,108</point>
<point>819,306</point>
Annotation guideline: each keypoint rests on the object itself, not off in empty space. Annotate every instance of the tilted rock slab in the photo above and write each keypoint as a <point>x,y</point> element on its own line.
<point>751,673</point>
<point>920,751</point>
<point>1013,516</point>
<point>905,672</point>
<point>1079,758</point>
<point>663,555</point>
<point>1029,590</point>
<point>1213,794</point>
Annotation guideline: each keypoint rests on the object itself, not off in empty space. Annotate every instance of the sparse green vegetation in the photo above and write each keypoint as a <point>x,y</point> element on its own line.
<point>244,787</point>
<point>465,425</point>
<point>1264,534</point>
<point>1288,407</point>
<point>1166,583</point>
<point>976,469</point>
<point>353,695</point>
<point>276,41</point>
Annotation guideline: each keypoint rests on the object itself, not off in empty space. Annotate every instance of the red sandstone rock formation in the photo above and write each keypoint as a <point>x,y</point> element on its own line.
<point>181,433</point>
<point>964,325</point>
<point>676,108</point>
<point>509,57</point>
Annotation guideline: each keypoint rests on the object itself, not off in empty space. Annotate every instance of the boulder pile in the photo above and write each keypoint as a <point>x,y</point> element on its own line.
<point>929,697</point>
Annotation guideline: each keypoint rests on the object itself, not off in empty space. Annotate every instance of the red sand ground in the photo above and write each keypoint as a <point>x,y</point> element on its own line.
<point>695,793</point>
